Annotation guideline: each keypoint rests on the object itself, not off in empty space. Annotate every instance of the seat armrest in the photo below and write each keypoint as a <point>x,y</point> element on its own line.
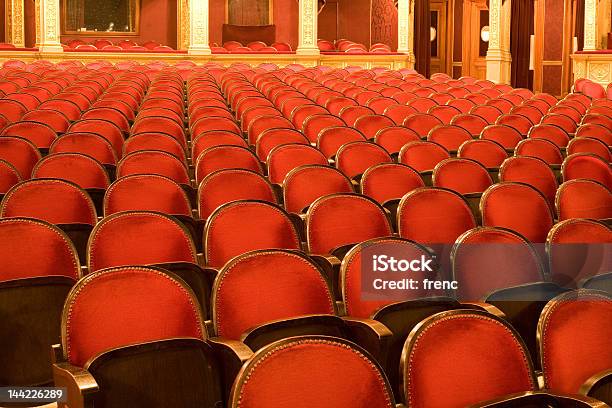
<point>232,354</point>
<point>541,398</point>
<point>598,384</point>
<point>79,383</point>
<point>330,265</point>
<point>372,335</point>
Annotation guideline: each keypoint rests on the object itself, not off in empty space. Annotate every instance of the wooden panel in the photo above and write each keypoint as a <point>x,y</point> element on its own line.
<point>473,64</point>
<point>248,12</point>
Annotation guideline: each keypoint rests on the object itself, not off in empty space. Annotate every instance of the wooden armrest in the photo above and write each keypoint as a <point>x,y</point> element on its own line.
<point>331,268</point>
<point>79,383</point>
<point>542,398</point>
<point>597,385</point>
<point>232,354</point>
<point>486,307</point>
<point>372,335</point>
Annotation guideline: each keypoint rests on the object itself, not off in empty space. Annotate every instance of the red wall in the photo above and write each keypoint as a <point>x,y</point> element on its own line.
<point>158,22</point>
<point>29,22</point>
<point>354,21</point>
<point>328,21</point>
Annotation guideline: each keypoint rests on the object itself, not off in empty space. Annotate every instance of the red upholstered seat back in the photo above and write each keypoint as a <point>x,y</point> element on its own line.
<point>474,124</point>
<point>574,251</point>
<point>20,153</point>
<point>305,184</point>
<point>213,138</point>
<point>106,129</point>
<point>224,157</point>
<point>80,169</point>
<point>215,123</point>
<point>487,112</point>
<point>224,186</point>
<point>486,259</point>
<point>153,162</point>
<point>506,136</point>
<point>282,159</point>
<point>449,136</point>
<point>433,216</point>
<point>518,207</point>
<point>354,158</point>
<point>301,113</point>
<point>369,125</point>
<point>52,200</point>
<point>486,152</point>
<point>354,271</point>
<point>595,131</point>
<point>242,226</point>
<point>54,119</point>
<point>589,145</point>
<point>583,199</point>
<point>350,114</point>
<point>422,155</point>
<point>125,306</point>
<point>341,219</point>
<point>587,166</point>
<point>12,110</point>
<point>461,175</point>
<point>263,123</point>
<point>110,114</point>
<point>160,124</point>
<point>421,123</point>
<point>39,134</point>
<point>31,248</point>
<point>138,238</point>
<point>532,171</point>
<point>154,141</point>
<point>9,176</point>
<point>388,181</point>
<point>288,285</point>
<point>574,331</point>
<point>472,356</point>
<point>90,144</point>
<point>146,192</point>
<point>315,124</point>
<point>551,133</point>
<point>518,122</point>
<point>312,371</point>
<point>540,148</point>
<point>271,138</point>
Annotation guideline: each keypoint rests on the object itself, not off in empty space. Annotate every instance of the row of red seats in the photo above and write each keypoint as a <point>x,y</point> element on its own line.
<point>108,45</point>
<point>236,47</point>
<point>344,45</point>
<point>593,89</point>
<point>112,345</point>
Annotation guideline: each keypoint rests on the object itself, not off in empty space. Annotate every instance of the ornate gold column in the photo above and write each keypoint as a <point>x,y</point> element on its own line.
<point>198,27</point>
<point>183,25</point>
<point>405,29</point>
<point>590,25</point>
<point>15,33</point>
<point>48,26</point>
<point>309,13</point>
<point>499,60</point>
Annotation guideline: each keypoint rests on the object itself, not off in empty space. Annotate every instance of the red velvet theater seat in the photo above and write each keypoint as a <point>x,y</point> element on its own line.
<point>355,157</point>
<point>146,192</point>
<point>90,144</point>
<point>80,169</point>
<point>225,157</point>
<point>224,186</point>
<point>472,123</point>
<point>214,138</point>
<point>574,337</point>
<point>315,124</point>
<point>106,129</point>
<point>300,113</point>
<point>159,124</point>
<point>463,176</point>
<point>56,120</point>
<point>336,222</point>
<point>422,156</point>
<point>144,340</point>
<point>551,133</point>
<point>587,166</point>
<point>312,371</point>
<point>389,181</point>
<point>583,199</point>
<point>532,171</point>
<point>20,153</point>
<point>282,159</point>
<point>578,249</point>
<point>595,131</point>
<point>155,141</point>
<point>272,138</point>
<point>242,226</point>
<point>421,123</point>
<point>110,114</point>
<point>486,259</point>
<point>266,122</point>
<point>589,145</point>
<point>9,176</point>
<point>486,152</point>
<point>39,266</point>
<point>153,162</point>
<point>504,135</point>
<point>518,122</point>
<point>518,207</point>
<point>290,286</point>
<point>542,149</point>
<point>449,136</point>
<point>39,134</point>
<point>481,357</point>
<point>330,139</point>
<point>304,184</point>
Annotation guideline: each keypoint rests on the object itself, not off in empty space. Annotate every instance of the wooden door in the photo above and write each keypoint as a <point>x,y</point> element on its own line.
<point>475,18</point>
<point>439,37</point>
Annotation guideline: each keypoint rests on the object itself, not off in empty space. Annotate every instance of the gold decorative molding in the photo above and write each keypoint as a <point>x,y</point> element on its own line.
<point>183,23</point>
<point>198,27</point>
<point>498,57</point>
<point>596,67</point>
<point>309,11</point>
<point>14,30</point>
<point>404,23</point>
<point>48,26</point>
